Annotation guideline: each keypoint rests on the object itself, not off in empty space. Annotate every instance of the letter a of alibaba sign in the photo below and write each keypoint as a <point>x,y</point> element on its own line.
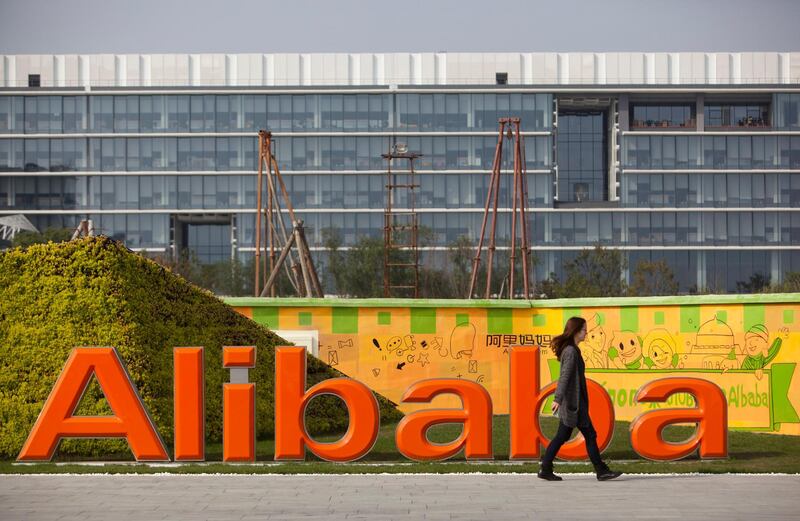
<point>130,421</point>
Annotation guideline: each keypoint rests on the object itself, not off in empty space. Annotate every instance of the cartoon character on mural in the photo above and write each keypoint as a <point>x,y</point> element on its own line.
<point>594,345</point>
<point>394,345</point>
<point>660,351</point>
<point>756,350</point>
<point>462,341</point>
<point>438,344</point>
<point>625,350</point>
<point>716,345</point>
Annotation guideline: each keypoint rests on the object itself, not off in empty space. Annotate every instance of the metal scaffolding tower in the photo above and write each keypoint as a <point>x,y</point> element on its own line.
<point>302,274</point>
<point>509,128</point>
<point>401,249</point>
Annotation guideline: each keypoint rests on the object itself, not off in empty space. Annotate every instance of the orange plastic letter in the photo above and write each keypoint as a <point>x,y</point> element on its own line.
<point>527,400</point>
<point>239,405</point>
<point>291,400</point>
<point>189,404</point>
<point>476,417</point>
<point>710,415</point>
<point>56,420</point>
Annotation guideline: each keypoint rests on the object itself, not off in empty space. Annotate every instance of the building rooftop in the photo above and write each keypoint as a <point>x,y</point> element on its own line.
<point>89,71</point>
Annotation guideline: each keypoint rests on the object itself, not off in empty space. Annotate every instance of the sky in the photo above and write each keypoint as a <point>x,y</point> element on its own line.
<point>266,26</point>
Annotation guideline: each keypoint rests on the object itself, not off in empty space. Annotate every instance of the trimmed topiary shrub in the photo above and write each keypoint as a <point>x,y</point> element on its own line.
<point>95,292</point>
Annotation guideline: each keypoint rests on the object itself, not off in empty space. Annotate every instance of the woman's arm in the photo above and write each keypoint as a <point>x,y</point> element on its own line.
<point>567,368</point>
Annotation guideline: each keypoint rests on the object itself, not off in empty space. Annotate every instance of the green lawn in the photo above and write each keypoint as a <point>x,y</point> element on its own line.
<point>748,452</point>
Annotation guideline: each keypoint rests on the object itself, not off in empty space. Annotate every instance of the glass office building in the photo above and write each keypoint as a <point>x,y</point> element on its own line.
<point>693,158</point>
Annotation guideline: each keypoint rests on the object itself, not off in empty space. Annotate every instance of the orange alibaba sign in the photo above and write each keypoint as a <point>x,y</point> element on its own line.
<point>292,441</point>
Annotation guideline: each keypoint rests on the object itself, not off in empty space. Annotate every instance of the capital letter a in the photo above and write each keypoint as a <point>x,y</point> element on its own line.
<point>130,421</point>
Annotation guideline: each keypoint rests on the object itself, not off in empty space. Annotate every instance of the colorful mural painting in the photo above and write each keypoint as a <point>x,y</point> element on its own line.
<point>749,345</point>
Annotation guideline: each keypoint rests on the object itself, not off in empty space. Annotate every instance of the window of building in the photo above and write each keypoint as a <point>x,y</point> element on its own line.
<point>101,109</point>
<point>732,115</point>
<point>43,114</point>
<point>663,116</point>
<point>787,111</point>
<point>581,146</point>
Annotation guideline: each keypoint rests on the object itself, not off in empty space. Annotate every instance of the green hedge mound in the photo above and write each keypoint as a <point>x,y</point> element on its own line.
<point>95,292</point>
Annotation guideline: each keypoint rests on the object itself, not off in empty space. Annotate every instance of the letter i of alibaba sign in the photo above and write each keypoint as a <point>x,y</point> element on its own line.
<point>292,441</point>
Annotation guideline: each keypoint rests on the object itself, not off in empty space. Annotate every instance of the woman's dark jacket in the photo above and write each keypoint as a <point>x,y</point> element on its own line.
<point>568,390</point>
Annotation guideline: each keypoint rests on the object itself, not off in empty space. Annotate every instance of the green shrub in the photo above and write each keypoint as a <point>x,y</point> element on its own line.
<point>95,292</point>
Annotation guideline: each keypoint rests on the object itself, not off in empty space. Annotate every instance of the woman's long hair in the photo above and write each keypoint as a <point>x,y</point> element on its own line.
<point>572,327</point>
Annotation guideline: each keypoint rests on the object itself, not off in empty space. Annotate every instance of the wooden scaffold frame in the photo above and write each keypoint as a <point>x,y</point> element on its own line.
<point>508,128</point>
<point>301,272</point>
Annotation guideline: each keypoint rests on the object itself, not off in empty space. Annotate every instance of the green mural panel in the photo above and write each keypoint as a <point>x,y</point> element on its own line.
<point>304,318</point>
<point>384,318</point>
<point>788,316</point>
<point>266,316</point>
<point>568,313</point>
<point>345,321</point>
<point>462,319</point>
<point>499,321</point>
<point>658,318</point>
<point>690,319</point>
<point>423,320</point>
<point>539,320</point>
<point>753,314</point>
<point>629,318</point>
<point>782,409</point>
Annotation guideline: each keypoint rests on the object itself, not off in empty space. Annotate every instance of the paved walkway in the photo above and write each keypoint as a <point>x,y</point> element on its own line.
<point>487,497</point>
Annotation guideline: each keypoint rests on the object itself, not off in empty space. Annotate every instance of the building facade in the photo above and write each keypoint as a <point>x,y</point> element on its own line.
<point>691,158</point>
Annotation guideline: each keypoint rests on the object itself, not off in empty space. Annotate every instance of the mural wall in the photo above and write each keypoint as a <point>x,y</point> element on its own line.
<point>748,345</point>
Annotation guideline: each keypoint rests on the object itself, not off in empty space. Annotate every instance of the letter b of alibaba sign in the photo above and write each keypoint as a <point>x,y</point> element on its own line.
<point>710,415</point>
<point>527,401</point>
<point>291,400</point>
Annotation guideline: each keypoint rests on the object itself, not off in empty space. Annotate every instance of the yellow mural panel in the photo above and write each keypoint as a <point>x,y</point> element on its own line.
<point>750,347</point>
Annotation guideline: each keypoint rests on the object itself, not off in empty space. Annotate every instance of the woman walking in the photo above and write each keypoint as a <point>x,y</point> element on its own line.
<point>571,402</point>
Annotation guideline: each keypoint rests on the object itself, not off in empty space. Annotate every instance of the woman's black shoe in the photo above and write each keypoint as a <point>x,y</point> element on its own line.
<point>546,472</point>
<point>604,473</point>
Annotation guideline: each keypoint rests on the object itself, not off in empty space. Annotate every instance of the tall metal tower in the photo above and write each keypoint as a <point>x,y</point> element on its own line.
<point>509,128</point>
<point>401,247</point>
<point>302,274</point>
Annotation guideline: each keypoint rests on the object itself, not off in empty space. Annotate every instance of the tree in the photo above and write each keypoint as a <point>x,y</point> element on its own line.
<point>550,287</point>
<point>229,277</point>
<point>26,238</point>
<point>364,273</point>
<point>652,278</point>
<point>357,272</point>
<point>435,283</point>
<point>595,272</point>
<point>460,254</point>
<point>333,273</point>
<point>791,282</point>
<point>757,283</point>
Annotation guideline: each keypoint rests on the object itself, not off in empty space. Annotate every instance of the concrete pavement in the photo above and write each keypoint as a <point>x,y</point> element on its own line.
<point>411,496</point>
